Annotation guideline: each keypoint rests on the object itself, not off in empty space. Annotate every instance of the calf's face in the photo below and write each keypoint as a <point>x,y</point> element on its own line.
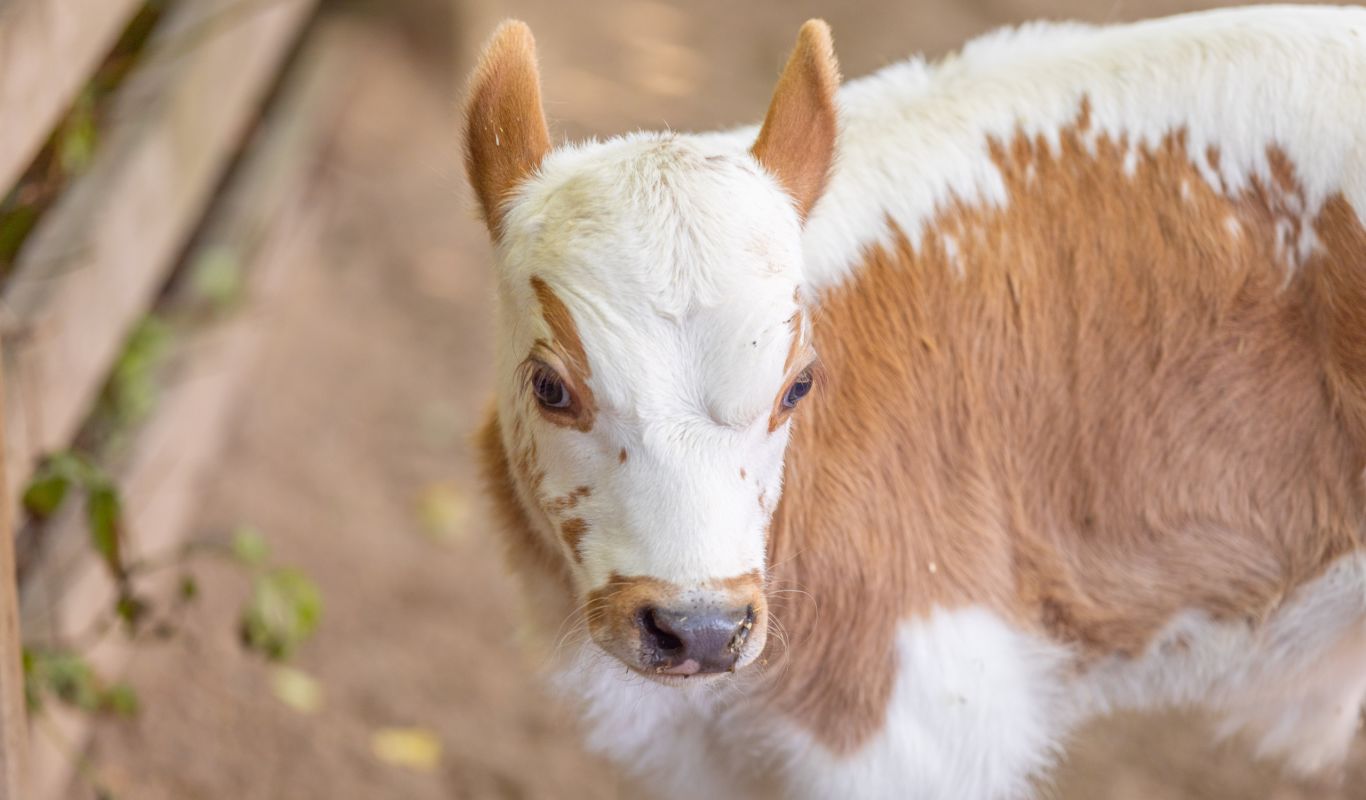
<point>652,351</point>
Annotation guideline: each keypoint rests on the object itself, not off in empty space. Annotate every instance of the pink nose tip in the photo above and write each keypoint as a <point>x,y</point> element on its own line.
<point>693,641</point>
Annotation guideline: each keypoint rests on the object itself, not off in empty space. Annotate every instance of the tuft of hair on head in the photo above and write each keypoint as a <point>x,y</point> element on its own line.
<point>797,141</point>
<point>506,136</point>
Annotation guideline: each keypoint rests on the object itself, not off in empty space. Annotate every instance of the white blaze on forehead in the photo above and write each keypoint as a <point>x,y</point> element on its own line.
<point>672,217</point>
<point>682,513</point>
<point>678,258</point>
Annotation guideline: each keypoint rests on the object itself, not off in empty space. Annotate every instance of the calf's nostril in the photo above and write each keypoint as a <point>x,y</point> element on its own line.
<point>658,636</point>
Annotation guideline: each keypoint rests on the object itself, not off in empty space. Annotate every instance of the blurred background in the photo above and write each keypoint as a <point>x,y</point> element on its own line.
<point>246,323</point>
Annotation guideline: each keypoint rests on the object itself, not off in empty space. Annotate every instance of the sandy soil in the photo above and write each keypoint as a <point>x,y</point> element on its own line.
<point>379,367</point>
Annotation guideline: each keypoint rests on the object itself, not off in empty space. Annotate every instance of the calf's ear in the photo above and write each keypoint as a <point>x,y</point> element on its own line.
<point>505,132</point>
<point>797,141</point>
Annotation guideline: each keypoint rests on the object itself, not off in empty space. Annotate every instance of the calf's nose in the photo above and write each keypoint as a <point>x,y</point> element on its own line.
<point>695,641</point>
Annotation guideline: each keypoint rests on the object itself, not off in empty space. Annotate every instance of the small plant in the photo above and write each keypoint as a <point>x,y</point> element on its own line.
<point>54,481</point>
<point>284,607</point>
<point>132,390</point>
<point>280,614</point>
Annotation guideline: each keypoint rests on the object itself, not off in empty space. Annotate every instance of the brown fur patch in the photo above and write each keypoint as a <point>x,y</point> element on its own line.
<point>559,504</point>
<point>1117,410</point>
<point>569,348</point>
<point>573,530</point>
<point>739,587</point>
<point>530,556</point>
<point>797,141</point>
<point>621,457</point>
<point>1340,325</point>
<point>505,132</point>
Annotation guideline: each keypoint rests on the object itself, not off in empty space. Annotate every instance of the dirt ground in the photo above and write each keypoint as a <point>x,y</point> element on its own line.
<point>375,370</point>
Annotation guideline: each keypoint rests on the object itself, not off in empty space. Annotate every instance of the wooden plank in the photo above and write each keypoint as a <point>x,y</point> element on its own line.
<point>48,48</point>
<point>100,255</point>
<point>13,715</point>
<point>268,221</point>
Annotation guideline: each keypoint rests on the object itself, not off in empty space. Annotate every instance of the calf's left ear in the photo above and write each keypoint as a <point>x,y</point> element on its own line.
<point>505,132</point>
<point>797,141</point>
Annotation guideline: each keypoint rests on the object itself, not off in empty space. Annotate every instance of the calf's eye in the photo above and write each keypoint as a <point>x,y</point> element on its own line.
<point>798,389</point>
<point>549,389</point>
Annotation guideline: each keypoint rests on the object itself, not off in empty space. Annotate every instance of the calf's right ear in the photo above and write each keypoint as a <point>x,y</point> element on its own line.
<point>505,131</point>
<point>797,141</point>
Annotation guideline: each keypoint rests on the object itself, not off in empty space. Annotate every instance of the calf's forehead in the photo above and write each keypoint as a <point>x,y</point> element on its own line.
<point>676,262</point>
<point>660,220</point>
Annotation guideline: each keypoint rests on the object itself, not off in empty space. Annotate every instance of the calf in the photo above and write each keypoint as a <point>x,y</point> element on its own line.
<point>868,452</point>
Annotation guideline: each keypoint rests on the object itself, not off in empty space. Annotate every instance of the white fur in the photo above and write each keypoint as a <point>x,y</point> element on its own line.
<point>981,710</point>
<point>977,711</point>
<point>679,259</point>
<point>965,678</point>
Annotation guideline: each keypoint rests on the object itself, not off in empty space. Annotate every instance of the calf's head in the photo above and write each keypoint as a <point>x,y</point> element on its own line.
<point>652,348</point>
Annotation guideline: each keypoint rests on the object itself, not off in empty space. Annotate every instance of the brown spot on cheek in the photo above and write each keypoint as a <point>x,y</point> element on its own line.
<point>571,500</point>
<point>527,470</point>
<point>573,530</point>
<point>621,457</point>
<point>742,473</point>
<point>528,553</point>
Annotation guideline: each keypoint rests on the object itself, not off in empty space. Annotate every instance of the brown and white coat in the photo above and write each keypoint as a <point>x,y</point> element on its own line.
<point>1087,431</point>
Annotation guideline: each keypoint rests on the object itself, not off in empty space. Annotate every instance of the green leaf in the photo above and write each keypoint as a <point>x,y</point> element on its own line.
<point>79,469</point>
<point>120,699</point>
<point>75,145</point>
<point>68,677</point>
<point>33,690</point>
<point>131,391</point>
<point>15,225</point>
<point>281,614</point>
<point>45,494</point>
<point>132,610</point>
<point>52,481</point>
<point>217,277</point>
<point>249,546</point>
<point>104,515</point>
